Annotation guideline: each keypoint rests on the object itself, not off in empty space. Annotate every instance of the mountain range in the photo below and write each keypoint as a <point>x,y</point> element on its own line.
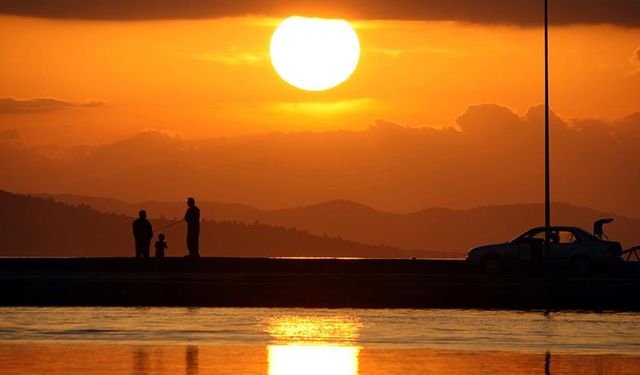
<point>34,226</point>
<point>442,231</point>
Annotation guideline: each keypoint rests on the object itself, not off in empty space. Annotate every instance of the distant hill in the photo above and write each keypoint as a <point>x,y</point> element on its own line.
<point>442,229</point>
<point>169,210</point>
<point>447,231</point>
<point>34,226</point>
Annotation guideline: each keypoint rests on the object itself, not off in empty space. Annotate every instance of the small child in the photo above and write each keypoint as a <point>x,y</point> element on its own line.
<point>160,245</point>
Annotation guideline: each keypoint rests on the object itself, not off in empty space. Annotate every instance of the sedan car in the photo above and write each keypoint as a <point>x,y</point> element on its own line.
<point>571,248</point>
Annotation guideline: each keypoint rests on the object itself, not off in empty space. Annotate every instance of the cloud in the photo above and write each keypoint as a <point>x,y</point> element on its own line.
<point>234,57</point>
<point>496,157</point>
<point>515,12</point>
<point>389,52</point>
<point>9,105</point>
<point>487,120</point>
<point>325,107</point>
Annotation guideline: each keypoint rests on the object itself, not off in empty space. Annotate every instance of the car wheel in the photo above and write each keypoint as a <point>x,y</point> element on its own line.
<point>492,264</point>
<point>580,265</point>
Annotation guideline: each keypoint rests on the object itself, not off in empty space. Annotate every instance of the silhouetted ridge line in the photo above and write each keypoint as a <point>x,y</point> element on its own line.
<point>31,226</point>
<point>449,232</point>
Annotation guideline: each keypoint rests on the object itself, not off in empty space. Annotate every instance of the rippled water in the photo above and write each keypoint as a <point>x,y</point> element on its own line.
<point>315,341</point>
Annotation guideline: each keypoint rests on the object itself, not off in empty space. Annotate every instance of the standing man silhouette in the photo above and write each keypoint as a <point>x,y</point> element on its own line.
<point>142,233</point>
<point>192,217</point>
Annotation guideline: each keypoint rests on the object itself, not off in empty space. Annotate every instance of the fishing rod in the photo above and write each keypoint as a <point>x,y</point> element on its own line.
<point>171,224</point>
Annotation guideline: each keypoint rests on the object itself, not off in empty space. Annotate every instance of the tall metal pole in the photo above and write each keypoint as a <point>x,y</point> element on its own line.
<point>547,198</point>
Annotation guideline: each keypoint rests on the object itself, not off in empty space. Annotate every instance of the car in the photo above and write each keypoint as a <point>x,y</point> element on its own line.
<point>570,248</point>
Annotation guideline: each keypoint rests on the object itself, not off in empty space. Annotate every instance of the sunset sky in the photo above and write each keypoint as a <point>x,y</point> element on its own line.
<point>76,73</point>
<point>212,75</point>
<point>319,187</point>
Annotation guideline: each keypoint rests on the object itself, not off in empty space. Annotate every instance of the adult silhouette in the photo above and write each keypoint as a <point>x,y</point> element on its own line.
<point>142,233</point>
<point>192,217</point>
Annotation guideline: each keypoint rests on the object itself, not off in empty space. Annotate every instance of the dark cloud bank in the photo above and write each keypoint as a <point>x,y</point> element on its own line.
<point>516,12</point>
<point>35,105</point>
<point>495,158</point>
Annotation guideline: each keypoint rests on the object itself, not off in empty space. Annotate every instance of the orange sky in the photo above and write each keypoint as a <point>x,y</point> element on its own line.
<point>206,78</point>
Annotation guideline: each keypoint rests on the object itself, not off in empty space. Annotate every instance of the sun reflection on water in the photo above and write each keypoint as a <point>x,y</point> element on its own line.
<point>313,345</point>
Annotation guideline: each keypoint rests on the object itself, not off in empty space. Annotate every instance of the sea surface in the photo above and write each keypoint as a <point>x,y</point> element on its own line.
<point>139,341</point>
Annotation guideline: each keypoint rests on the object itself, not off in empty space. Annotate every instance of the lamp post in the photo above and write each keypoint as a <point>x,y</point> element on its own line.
<point>547,199</point>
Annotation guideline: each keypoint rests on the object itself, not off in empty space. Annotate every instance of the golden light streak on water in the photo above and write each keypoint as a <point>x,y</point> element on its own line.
<point>313,345</point>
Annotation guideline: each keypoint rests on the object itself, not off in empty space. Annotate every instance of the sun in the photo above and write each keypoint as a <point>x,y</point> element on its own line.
<point>314,54</point>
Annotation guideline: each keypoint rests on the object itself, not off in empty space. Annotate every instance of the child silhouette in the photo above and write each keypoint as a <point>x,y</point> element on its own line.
<point>160,245</point>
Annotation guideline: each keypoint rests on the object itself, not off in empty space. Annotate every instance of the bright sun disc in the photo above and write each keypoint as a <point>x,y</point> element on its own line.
<point>314,54</point>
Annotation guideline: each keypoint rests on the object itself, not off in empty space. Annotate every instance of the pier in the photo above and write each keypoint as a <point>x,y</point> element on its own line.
<point>327,283</point>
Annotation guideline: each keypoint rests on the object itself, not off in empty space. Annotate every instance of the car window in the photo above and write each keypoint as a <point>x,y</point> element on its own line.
<point>562,237</point>
<point>557,236</point>
<point>538,235</point>
<point>566,237</point>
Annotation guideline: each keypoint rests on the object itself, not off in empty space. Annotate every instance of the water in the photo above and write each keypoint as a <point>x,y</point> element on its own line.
<point>314,341</point>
